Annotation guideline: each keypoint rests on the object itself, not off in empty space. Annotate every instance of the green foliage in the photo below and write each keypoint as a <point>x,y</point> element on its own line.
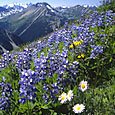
<point>107,5</point>
<point>100,101</point>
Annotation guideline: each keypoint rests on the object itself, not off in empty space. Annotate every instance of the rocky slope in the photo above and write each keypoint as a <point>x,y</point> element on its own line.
<point>8,41</point>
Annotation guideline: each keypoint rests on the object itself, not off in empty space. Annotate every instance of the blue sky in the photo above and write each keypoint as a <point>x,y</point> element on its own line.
<point>54,2</point>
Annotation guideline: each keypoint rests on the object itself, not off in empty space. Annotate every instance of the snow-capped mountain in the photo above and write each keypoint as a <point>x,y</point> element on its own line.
<point>37,20</point>
<point>10,9</point>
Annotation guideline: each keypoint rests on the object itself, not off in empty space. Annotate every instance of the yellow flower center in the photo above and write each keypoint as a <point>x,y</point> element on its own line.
<point>63,98</point>
<point>78,108</point>
<point>83,86</point>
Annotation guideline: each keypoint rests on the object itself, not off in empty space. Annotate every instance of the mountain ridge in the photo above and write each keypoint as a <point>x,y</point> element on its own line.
<point>40,19</point>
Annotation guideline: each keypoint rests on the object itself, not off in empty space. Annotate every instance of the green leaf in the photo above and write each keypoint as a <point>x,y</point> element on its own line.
<point>1,113</point>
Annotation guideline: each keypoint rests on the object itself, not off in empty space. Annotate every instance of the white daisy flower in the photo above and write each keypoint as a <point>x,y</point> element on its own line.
<point>78,108</point>
<point>70,95</point>
<point>83,85</point>
<point>63,98</point>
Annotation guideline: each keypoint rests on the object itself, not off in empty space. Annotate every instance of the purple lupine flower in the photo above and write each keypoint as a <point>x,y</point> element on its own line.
<point>96,51</point>
<point>6,93</point>
<point>27,86</point>
<point>5,60</point>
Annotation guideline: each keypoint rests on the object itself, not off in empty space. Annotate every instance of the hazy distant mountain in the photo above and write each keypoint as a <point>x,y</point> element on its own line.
<point>75,12</point>
<point>10,9</point>
<point>40,19</point>
<point>34,21</point>
<point>2,9</point>
<point>8,41</point>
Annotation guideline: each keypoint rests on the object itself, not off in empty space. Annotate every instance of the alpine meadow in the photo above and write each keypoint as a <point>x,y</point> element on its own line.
<point>57,61</point>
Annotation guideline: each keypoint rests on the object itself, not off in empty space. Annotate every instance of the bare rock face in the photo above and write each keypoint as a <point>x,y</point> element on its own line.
<point>8,41</point>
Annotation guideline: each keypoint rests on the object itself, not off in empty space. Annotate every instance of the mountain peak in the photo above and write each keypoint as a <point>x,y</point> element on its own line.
<point>14,8</point>
<point>42,4</point>
<point>47,6</point>
<point>17,4</point>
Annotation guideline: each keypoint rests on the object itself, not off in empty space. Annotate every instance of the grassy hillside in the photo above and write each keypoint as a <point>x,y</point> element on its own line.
<point>71,72</point>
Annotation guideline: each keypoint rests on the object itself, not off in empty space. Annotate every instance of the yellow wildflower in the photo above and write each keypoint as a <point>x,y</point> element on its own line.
<point>77,43</point>
<point>71,46</point>
<point>81,56</point>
